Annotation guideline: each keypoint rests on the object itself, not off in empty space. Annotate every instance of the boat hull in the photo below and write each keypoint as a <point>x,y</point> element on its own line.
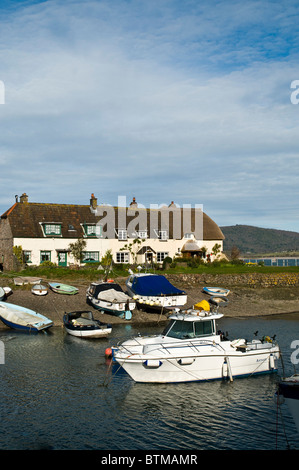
<point>290,392</point>
<point>20,318</point>
<point>117,309</point>
<point>39,290</point>
<point>216,291</point>
<point>96,333</point>
<point>154,297</point>
<point>83,325</point>
<point>185,367</point>
<point>63,289</point>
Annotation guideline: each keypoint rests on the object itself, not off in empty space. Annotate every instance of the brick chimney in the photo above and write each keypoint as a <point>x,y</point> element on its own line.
<point>93,201</point>
<point>24,198</point>
<point>133,203</point>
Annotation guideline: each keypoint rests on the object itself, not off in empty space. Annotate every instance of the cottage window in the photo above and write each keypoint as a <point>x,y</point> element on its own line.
<point>141,234</point>
<point>161,255</point>
<point>27,256</point>
<point>122,257</point>
<point>45,256</point>
<point>122,234</point>
<point>52,229</point>
<point>92,230</point>
<point>163,235</point>
<point>90,257</point>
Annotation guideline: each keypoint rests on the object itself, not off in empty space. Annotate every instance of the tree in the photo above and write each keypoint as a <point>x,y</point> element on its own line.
<point>77,249</point>
<point>216,249</point>
<point>235,253</point>
<point>18,252</point>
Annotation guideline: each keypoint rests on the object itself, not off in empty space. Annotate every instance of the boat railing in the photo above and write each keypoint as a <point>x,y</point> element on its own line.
<point>169,347</point>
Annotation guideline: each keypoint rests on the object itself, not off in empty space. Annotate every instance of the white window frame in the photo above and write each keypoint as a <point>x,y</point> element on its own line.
<point>91,254</point>
<point>27,256</point>
<point>51,229</point>
<point>141,234</point>
<point>161,255</point>
<point>122,257</point>
<point>93,230</point>
<point>122,234</point>
<point>163,235</point>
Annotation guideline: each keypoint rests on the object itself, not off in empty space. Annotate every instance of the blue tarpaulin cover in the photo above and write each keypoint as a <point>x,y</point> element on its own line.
<point>154,285</point>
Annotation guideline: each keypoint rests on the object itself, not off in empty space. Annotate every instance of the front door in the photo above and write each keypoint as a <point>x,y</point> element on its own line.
<point>148,257</point>
<point>62,258</point>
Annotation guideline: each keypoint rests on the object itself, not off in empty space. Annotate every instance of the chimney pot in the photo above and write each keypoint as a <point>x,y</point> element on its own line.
<point>93,201</point>
<point>24,198</point>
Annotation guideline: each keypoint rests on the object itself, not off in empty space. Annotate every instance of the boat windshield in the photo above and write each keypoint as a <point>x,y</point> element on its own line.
<point>187,329</point>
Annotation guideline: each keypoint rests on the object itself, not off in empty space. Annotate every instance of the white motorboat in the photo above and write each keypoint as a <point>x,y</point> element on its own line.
<point>288,390</point>
<point>191,349</point>
<point>154,291</point>
<point>108,297</point>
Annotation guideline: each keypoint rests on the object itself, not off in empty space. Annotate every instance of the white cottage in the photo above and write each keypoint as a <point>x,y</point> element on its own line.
<point>45,231</point>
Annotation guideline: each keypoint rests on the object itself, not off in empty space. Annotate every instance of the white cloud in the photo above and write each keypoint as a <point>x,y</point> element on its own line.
<point>155,100</point>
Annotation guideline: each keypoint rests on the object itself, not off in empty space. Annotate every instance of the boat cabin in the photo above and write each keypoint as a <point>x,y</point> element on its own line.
<point>97,288</point>
<point>191,325</point>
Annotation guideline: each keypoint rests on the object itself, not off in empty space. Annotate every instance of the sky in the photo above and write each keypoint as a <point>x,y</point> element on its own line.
<point>189,101</point>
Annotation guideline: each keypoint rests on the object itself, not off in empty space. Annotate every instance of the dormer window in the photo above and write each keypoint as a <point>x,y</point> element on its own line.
<point>163,235</point>
<point>92,230</point>
<point>122,234</point>
<point>52,229</point>
<point>189,236</point>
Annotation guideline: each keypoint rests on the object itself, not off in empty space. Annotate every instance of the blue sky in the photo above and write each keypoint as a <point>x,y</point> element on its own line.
<point>185,101</point>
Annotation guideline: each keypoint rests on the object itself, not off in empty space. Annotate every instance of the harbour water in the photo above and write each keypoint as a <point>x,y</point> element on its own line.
<point>59,392</point>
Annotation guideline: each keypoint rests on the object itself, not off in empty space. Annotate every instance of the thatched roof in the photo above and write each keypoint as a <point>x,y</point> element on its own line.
<point>190,246</point>
<point>26,219</point>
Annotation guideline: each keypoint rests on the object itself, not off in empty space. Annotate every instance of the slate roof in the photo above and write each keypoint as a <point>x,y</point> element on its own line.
<point>26,219</point>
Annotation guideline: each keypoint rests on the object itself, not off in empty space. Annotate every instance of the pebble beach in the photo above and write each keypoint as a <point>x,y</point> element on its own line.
<point>242,302</point>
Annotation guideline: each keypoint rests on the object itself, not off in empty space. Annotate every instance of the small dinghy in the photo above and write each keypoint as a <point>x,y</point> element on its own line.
<point>21,281</point>
<point>218,301</point>
<point>39,289</point>
<point>2,293</point>
<point>21,318</point>
<point>83,325</point>
<point>8,291</point>
<point>215,291</point>
<point>63,288</point>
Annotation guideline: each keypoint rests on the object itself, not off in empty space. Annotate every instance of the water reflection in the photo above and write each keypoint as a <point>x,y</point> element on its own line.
<point>59,392</point>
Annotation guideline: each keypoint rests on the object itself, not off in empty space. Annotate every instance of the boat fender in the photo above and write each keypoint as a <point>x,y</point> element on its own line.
<point>271,362</point>
<point>108,352</point>
<point>153,363</point>
<point>266,339</point>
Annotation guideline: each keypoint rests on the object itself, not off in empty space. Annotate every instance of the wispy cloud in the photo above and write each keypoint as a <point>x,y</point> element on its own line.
<point>185,101</point>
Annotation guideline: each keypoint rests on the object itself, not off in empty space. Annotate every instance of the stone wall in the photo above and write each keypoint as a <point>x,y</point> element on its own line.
<point>252,280</point>
<point>7,259</point>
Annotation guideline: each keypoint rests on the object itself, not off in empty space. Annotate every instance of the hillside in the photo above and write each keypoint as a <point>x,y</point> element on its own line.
<point>255,240</point>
